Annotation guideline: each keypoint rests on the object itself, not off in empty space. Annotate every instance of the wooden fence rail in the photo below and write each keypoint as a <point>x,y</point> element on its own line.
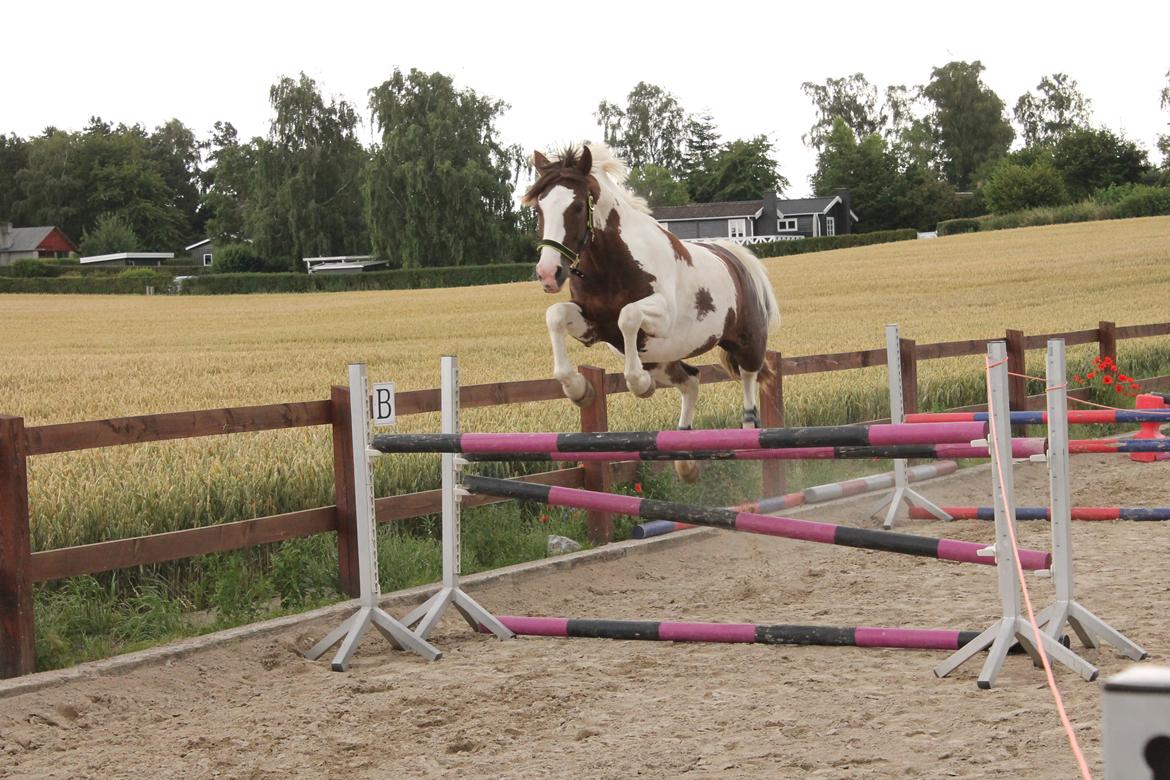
<point>20,568</point>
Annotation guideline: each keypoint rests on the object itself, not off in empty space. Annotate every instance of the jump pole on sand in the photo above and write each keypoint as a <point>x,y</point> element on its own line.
<point>903,493</point>
<point>369,613</point>
<point>1096,513</point>
<point>1090,628</point>
<point>1012,626</point>
<point>739,633</point>
<point>787,527</point>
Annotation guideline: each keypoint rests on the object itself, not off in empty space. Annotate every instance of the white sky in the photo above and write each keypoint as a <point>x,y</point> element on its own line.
<point>554,62</point>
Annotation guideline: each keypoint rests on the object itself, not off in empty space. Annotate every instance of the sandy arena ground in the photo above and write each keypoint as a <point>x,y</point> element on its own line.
<point>597,708</point>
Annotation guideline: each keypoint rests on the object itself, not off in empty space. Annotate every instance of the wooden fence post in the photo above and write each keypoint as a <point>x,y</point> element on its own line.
<point>773,479</point>
<point>594,418</point>
<point>1017,385</point>
<point>908,357</point>
<point>343,491</point>
<point>1107,340</point>
<point>17,624</point>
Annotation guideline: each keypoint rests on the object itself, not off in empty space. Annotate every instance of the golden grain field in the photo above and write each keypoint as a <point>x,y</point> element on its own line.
<point>68,358</point>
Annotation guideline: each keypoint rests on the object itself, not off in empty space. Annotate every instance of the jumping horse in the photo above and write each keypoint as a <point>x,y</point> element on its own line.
<point>635,286</point>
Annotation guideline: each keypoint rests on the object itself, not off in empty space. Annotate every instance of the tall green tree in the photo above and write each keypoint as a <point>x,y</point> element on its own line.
<point>658,186</point>
<point>177,153</point>
<point>306,199</point>
<point>702,143</point>
<point>867,168</point>
<point>852,100</point>
<point>1054,109</point>
<point>968,118</point>
<point>13,157</point>
<point>1163,142</point>
<point>110,233</point>
<point>652,128</point>
<point>1089,160</point>
<point>228,183</point>
<point>741,170</point>
<point>440,182</point>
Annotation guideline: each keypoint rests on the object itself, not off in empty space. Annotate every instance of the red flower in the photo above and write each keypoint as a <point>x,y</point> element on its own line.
<point>1078,379</point>
<point>1122,378</point>
<point>1107,380</point>
<point>1097,360</point>
<point>637,487</point>
<point>544,518</point>
<point>1091,375</point>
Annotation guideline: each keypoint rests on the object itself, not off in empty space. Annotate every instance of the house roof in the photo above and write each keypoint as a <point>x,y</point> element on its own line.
<point>25,239</point>
<point>805,205</point>
<point>197,244</point>
<point>734,208</point>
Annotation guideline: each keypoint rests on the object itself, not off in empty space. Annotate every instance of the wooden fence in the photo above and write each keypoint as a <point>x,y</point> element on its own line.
<point>20,568</point>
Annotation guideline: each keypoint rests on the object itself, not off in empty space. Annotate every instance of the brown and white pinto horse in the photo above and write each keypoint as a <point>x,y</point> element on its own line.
<point>635,286</point>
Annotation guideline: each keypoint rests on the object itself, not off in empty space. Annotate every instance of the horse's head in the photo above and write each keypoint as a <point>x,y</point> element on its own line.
<point>563,196</point>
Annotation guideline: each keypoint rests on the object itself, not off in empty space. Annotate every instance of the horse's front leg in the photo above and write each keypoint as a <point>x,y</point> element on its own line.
<point>566,319</point>
<point>651,316</point>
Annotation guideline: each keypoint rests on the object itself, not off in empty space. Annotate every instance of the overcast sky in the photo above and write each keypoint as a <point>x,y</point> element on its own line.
<point>553,62</point>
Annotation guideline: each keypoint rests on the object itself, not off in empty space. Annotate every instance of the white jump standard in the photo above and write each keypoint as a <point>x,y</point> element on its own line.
<point>350,632</point>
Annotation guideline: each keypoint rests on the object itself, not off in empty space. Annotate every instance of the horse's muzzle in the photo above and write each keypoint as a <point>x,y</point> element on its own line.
<point>557,282</point>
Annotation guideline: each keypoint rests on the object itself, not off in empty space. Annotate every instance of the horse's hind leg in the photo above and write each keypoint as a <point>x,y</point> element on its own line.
<point>566,319</point>
<point>751,417</point>
<point>686,378</point>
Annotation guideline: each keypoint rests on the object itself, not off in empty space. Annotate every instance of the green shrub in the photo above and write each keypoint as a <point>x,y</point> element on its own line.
<point>236,259</point>
<point>1013,187</point>
<point>29,268</point>
<point>111,233</point>
<point>822,243</point>
<point>952,227</point>
<point>1144,202</point>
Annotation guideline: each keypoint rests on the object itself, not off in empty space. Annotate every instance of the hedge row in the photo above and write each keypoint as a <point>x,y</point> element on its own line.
<point>94,285</point>
<point>400,279</point>
<point>822,243</point>
<point>49,268</point>
<point>1123,202</point>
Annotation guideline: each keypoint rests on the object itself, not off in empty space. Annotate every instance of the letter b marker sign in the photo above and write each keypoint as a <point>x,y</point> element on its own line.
<point>383,404</point>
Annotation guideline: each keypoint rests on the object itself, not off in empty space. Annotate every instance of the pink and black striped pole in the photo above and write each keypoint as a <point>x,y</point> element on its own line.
<point>1043,513</point>
<point>1075,417</point>
<point>728,439</point>
<point>739,633</point>
<point>788,527</point>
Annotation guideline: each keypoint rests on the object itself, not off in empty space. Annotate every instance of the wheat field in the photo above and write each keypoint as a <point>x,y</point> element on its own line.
<point>69,358</point>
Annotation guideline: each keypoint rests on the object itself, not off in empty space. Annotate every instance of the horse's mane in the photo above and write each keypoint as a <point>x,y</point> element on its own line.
<point>611,174</point>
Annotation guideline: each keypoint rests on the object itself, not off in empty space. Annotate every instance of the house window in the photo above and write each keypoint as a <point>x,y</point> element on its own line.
<point>207,259</point>
<point>786,225</point>
<point>830,226</point>
<point>736,228</point>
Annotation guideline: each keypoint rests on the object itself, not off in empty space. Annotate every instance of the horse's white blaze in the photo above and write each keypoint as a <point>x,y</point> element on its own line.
<point>552,207</point>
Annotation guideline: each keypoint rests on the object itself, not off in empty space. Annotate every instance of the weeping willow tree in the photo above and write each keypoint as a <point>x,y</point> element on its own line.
<point>439,185</point>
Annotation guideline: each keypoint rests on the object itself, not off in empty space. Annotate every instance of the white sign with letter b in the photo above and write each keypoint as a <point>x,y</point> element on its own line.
<point>384,407</point>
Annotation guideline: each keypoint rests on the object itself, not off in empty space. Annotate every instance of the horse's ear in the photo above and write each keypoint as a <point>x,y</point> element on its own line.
<point>585,164</point>
<point>540,161</point>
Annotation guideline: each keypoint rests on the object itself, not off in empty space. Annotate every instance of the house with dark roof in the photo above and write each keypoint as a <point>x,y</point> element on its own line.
<point>33,243</point>
<point>767,219</point>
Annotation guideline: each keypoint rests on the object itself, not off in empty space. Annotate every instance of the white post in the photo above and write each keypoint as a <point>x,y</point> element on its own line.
<point>427,614</point>
<point>902,490</point>
<point>1136,724</point>
<point>1012,627</point>
<point>1087,626</point>
<point>369,613</point>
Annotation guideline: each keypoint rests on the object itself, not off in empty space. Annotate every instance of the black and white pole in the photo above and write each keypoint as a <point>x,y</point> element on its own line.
<point>1136,724</point>
<point>424,617</point>
<point>903,493</point>
<point>369,612</point>
<point>1012,626</point>
<point>1088,627</point>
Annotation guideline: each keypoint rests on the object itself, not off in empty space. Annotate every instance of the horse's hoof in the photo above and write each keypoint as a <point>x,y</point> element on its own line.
<point>687,470</point>
<point>587,398</point>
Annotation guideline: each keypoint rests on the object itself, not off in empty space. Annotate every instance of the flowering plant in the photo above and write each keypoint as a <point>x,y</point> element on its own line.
<point>1108,380</point>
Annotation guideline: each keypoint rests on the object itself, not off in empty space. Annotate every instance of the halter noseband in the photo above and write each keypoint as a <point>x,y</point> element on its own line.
<point>574,258</point>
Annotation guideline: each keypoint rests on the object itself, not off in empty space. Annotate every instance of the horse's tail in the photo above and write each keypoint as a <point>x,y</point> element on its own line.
<point>761,282</point>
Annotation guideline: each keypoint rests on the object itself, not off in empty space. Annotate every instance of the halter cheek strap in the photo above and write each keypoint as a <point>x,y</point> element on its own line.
<point>574,258</point>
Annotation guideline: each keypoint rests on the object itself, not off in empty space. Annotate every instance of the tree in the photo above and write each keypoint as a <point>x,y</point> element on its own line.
<point>909,133</point>
<point>1163,142</point>
<point>439,185</point>
<point>176,152</point>
<point>658,186</point>
<point>867,169</point>
<point>13,157</point>
<point>968,118</point>
<point>1089,160</point>
<point>742,170</point>
<point>852,100</point>
<point>1014,187</point>
<point>111,233</point>
<point>651,129</point>
<point>702,143</point>
<point>227,183</point>
<point>1058,108</point>
<point>305,198</point>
